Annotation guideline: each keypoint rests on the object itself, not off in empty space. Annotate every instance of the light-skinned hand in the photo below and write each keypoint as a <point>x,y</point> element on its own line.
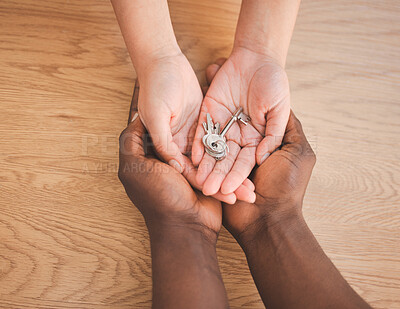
<point>169,103</point>
<point>259,85</point>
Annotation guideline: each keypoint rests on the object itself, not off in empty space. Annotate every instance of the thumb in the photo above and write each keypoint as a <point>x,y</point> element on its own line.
<point>165,147</point>
<point>131,138</point>
<point>274,132</point>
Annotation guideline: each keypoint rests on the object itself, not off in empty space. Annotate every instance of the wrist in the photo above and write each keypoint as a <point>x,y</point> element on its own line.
<point>166,231</point>
<point>259,55</point>
<point>147,30</point>
<point>145,60</point>
<point>185,267</point>
<point>266,27</point>
<point>282,218</point>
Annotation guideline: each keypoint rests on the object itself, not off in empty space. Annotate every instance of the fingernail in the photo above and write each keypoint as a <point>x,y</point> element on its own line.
<point>175,164</point>
<point>264,157</point>
<point>253,197</point>
<point>134,117</point>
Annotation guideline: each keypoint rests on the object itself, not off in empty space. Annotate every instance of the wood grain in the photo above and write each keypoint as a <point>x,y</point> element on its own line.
<point>70,238</point>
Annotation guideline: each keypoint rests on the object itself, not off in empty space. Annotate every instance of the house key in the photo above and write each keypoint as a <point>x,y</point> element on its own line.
<point>217,139</point>
<point>238,115</point>
<point>214,141</point>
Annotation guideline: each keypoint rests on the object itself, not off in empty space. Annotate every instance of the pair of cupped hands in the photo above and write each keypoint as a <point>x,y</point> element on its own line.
<point>172,106</point>
<point>164,194</point>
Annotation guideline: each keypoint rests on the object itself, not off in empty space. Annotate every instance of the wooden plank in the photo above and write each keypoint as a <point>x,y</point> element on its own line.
<point>70,238</point>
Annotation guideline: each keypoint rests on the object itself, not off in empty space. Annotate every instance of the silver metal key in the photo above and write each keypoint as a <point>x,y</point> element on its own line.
<point>218,149</point>
<point>208,128</point>
<point>238,115</point>
<point>217,142</point>
<point>214,141</point>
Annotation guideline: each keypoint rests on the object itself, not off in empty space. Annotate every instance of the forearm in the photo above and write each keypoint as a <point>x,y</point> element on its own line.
<point>291,270</point>
<point>147,30</point>
<point>266,27</point>
<point>185,268</point>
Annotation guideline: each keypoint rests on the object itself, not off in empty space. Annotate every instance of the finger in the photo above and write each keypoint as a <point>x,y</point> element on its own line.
<point>294,130</point>
<point>226,198</point>
<point>205,168</point>
<point>136,131</point>
<point>295,140</point>
<point>277,120</point>
<point>243,193</point>
<point>211,70</point>
<point>134,102</point>
<point>198,147</point>
<point>240,171</point>
<point>220,61</point>
<point>213,182</point>
<point>164,145</point>
<point>204,89</point>
<point>249,184</point>
<point>131,139</point>
<point>190,174</point>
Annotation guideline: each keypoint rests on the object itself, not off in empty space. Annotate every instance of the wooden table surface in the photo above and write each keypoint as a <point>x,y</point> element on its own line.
<point>69,236</point>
